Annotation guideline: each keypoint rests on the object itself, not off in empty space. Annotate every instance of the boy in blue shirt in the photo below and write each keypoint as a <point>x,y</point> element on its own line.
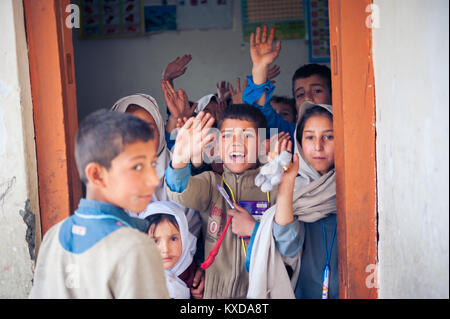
<point>101,252</point>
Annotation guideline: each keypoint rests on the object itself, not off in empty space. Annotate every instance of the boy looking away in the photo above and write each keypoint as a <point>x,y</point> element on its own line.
<point>99,252</point>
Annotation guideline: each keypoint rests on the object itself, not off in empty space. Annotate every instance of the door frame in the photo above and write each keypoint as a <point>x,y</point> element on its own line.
<point>50,53</point>
<point>55,118</point>
<point>353,94</point>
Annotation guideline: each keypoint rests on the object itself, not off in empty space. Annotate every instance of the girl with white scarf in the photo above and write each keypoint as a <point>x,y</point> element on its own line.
<point>169,228</point>
<point>300,230</point>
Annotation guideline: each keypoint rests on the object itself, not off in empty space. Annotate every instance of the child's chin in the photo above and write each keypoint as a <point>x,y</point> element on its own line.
<point>239,168</point>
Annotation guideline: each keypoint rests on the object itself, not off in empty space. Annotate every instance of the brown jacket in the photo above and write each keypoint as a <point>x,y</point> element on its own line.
<point>226,278</point>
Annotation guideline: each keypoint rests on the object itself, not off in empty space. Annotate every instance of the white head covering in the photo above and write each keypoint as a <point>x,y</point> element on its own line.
<point>149,104</point>
<point>203,102</point>
<point>306,172</point>
<point>177,288</point>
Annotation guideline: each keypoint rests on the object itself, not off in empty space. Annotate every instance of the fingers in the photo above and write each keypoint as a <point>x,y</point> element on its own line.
<point>271,35</point>
<point>264,34</point>
<point>258,35</point>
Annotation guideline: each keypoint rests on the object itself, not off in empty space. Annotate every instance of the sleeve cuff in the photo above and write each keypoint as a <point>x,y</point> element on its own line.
<point>177,179</point>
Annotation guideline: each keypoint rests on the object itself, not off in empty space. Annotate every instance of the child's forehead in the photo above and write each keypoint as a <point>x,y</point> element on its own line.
<point>237,124</point>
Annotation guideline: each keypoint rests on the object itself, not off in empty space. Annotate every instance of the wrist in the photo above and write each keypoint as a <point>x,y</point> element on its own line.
<point>259,73</point>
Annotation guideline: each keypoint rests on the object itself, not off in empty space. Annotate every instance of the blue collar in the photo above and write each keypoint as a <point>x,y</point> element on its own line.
<point>97,208</point>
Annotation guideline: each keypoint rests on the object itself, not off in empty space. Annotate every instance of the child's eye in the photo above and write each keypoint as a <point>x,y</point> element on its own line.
<point>300,95</point>
<point>227,135</point>
<point>138,167</point>
<point>248,135</point>
<point>329,137</point>
<point>174,238</point>
<point>308,137</point>
<point>317,91</point>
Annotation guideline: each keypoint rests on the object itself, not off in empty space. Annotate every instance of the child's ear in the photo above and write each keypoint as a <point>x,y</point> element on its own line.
<point>95,174</point>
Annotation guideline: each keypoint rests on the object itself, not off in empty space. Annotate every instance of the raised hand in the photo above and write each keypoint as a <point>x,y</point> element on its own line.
<point>223,90</point>
<point>177,103</point>
<point>176,68</point>
<point>273,72</point>
<point>236,96</point>
<point>191,140</point>
<point>278,143</point>
<point>262,51</point>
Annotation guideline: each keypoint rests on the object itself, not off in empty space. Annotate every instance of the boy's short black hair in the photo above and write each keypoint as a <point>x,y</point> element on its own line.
<point>243,112</point>
<point>104,134</point>
<point>308,70</point>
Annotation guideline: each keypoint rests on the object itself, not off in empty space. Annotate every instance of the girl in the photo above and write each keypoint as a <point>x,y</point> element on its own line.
<point>169,229</point>
<point>303,223</point>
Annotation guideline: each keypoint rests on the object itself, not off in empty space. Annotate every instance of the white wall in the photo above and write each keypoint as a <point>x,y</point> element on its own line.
<point>19,210</point>
<point>112,68</point>
<point>411,61</point>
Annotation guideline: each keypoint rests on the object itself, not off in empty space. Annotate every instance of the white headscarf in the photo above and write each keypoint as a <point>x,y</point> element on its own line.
<point>149,104</point>
<point>203,102</point>
<point>177,288</point>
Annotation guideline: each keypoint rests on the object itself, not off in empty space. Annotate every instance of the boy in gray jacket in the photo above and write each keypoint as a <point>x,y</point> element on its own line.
<point>99,251</point>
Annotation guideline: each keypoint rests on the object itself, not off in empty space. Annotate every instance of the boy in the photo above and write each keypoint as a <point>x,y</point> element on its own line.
<point>239,149</point>
<point>311,82</point>
<point>285,107</point>
<point>99,252</point>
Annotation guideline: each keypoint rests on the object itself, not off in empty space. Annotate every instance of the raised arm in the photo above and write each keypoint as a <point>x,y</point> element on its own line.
<point>262,53</point>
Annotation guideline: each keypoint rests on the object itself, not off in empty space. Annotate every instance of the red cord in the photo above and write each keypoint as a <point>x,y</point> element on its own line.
<point>213,253</point>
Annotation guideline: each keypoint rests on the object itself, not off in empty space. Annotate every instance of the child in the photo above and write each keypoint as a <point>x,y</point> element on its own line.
<point>169,229</point>
<point>285,107</point>
<point>310,83</point>
<point>239,148</point>
<point>98,252</point>
<point>305,216</point>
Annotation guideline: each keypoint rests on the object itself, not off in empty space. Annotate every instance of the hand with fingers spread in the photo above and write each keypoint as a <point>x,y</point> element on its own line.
<point>263,53</point>
<point>176,68</point>
<point>273,72</point>
<point>223,90</point>
<point>177,103</point>
<point>242,223</point>
<point>236,96</point>
<point>191,140</point>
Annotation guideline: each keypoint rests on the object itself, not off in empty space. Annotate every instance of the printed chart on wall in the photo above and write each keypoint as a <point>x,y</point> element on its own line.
<point>111,18</point>
<point>287,16</point>
<point>318,29</point>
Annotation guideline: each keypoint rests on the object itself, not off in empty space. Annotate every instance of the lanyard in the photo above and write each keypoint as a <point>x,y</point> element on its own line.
<point>326,270</point>
<point>234,201</point>
<point>103,216</point>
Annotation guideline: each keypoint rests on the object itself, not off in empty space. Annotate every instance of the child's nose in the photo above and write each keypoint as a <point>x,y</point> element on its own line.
<point>152,178</point>
<point>318,146</point>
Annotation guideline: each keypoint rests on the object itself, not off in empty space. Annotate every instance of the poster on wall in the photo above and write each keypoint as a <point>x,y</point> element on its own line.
<point>204,14</point>
<point>111,18</point>
<point>287,16</point>
<point>318,30</point>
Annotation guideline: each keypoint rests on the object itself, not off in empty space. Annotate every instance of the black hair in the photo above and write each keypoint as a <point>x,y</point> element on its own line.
<point>315,110</point>
<point>156,219</point>
<point>104,134</point>
<point>243,112</point>
<point>308,70</point>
